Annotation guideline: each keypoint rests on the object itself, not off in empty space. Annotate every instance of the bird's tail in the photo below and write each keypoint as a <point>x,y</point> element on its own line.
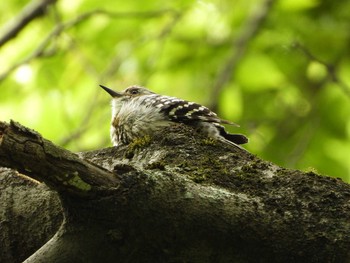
<point>233,139</point>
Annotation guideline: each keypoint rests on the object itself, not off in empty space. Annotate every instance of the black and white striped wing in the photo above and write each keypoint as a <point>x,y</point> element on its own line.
<point>191,113</point>
<point>179,110</point>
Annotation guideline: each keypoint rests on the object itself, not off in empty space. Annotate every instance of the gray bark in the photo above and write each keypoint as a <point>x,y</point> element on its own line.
<point>179,197</point>
<point>30,214</point>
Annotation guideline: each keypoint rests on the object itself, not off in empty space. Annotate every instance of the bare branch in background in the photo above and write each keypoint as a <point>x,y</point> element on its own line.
<point>238,49</point>
<point>331,68</point>
<point>302,145</point>
<point>31,11</point>
<point>110,70</point>
<point>83,125</point>
<point>41,51</point>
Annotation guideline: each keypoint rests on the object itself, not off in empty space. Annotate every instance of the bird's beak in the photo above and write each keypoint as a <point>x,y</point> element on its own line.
<point>113,93</point>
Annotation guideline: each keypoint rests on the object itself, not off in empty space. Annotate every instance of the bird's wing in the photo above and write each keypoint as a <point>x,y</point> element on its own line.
<point>184,111</point>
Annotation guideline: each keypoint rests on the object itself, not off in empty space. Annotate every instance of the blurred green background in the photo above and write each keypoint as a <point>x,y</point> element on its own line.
<point>281,69</point>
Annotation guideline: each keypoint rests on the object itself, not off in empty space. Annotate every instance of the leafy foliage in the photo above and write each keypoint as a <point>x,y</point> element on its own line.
<point>288,61</point>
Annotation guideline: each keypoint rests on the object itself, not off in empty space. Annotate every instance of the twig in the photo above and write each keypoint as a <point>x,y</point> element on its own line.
<point>84,123</point>
<point>303,144</point>
<point>331,68</point>
<point>111,69</point>
<point>238,48</point>
<point>40,50</point>
<point>31,11</point>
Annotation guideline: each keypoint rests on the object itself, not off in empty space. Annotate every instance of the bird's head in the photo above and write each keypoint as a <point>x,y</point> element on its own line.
<point>127,94</point>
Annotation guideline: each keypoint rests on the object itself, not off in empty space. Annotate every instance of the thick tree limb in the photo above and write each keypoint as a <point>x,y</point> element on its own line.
<point>30,215</point>
<point>181,197</point>
<point>26,151</point>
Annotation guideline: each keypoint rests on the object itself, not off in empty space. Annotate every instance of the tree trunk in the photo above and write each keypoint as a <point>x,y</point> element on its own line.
<point>176,197</point>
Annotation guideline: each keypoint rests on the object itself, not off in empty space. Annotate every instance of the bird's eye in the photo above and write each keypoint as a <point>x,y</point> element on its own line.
<point>134,92</point>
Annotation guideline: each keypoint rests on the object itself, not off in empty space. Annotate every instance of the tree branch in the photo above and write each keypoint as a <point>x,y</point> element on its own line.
<point>31,11</point>
<point>30,215</point>
<point>26,151</point>
<point>60,28</point>
<point>181,197</point>
<point>238,49</point>
<point>331,68</point>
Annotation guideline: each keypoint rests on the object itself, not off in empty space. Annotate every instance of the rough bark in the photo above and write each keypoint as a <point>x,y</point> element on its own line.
<point>30,214</point>
<point>179,197</point>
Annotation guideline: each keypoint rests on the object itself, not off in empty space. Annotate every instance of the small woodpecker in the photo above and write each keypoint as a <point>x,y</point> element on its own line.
<point>137,112</point>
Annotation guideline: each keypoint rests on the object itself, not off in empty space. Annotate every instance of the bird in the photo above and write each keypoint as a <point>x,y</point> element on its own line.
<point>137,112</point>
